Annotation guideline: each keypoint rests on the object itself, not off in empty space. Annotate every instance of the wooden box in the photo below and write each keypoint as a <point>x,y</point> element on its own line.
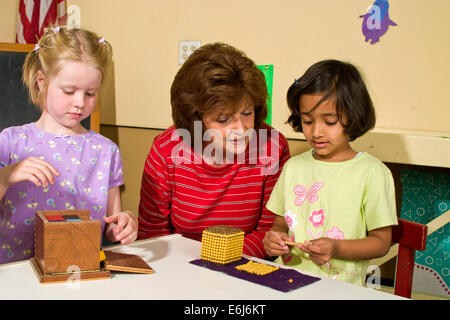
<point>63,244</point>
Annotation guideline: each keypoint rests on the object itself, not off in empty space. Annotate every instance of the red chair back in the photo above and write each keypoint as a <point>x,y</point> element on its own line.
<point>410,236</point>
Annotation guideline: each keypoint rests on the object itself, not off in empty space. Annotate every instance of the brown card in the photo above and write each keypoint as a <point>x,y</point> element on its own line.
<point>116,261</point>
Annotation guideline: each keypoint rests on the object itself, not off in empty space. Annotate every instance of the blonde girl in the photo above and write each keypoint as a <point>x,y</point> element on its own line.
<point>55,163</point>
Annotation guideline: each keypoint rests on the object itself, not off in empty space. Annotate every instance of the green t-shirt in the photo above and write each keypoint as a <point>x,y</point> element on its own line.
<point>340,200</point>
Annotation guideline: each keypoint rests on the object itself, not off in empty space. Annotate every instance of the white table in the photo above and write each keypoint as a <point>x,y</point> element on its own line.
<point>174,278</point>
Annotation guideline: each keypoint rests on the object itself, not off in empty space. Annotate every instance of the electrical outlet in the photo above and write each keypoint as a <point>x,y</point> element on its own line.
<point>186,49</point>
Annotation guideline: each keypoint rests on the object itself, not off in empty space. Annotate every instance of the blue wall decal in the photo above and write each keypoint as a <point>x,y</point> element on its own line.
<point>376,21</point>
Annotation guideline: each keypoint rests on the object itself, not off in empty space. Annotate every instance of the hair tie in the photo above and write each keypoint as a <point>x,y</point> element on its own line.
<point>56,29</point>
<point>36,47</point>
<point>102,40</point>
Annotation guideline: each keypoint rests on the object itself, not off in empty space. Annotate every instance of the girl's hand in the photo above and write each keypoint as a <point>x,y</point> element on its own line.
<point>274,243</point>
<point>320,250</point>
<point>125,226</point>
<point>33,169</point>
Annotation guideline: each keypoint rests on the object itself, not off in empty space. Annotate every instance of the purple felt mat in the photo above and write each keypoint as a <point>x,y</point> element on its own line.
<point>278,280</point>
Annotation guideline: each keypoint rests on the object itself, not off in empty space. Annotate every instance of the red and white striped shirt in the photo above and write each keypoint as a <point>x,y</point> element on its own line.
<point>180,194</point>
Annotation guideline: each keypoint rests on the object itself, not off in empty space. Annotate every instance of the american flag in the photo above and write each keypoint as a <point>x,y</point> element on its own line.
<point>35,15</point>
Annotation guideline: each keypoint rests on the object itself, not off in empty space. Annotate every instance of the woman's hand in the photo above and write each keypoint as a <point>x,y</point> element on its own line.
<point>124,226</point>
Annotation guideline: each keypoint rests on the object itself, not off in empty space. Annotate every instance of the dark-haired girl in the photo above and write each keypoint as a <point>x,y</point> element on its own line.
<point>334,206</point>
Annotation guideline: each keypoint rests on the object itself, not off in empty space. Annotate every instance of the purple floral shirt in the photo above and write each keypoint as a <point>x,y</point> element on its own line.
<point>89,164</point>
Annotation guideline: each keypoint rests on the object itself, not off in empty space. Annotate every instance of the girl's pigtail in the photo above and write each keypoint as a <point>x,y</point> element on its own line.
<point>30,70</point>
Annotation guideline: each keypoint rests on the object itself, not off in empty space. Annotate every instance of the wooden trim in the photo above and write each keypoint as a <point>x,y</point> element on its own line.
<point>438,222</point>
<point>95,116</point>
<point>392,253</point>
<point>418,148</point>
<point>16,47</point>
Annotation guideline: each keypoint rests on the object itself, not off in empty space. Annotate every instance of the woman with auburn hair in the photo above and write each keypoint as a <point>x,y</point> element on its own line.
<point>218,162</point>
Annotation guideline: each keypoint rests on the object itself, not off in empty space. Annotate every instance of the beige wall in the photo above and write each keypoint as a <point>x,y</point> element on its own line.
<point>407,72</point>
<point>8,20</point>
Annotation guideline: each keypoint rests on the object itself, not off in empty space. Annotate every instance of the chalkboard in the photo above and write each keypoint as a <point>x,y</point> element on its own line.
<point>15,107</point>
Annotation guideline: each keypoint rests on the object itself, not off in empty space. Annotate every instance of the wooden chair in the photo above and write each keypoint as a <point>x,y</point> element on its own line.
<point>410,236</point>
<point>11,84</point>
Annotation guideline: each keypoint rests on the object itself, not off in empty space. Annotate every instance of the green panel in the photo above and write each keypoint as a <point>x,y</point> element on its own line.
<point>268,74</point>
